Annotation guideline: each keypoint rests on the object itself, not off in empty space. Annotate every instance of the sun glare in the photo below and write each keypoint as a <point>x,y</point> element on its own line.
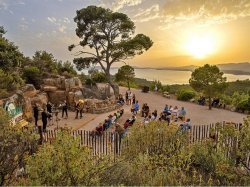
<point>200,46</point>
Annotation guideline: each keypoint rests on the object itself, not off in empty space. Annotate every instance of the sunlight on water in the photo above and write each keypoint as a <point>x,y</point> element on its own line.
<point>173,77</point>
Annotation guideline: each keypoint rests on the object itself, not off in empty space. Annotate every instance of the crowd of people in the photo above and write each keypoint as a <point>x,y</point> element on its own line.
<point>108,122</point>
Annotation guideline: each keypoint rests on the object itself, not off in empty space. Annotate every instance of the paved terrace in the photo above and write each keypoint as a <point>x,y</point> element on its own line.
<point>199,115</point>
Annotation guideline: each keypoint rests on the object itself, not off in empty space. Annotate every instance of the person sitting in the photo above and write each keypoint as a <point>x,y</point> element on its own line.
<point>186,125</point>
<point>119,129</point>
<point>182,114</point>
<point>129,122</point>
<point>215,102</point>
<point>146,120</point>
<point>174,113</point>
<point>135,108</point>
<point>114,118</point>
<point>121,112</point>
<point>154,114</point>
<point>99,129</point>
<point>202,100</point>
<point>120,100</point>
<point>166,110</point>
<point>145,110</point>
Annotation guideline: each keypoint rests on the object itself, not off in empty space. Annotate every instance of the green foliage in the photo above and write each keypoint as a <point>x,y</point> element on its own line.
<point>45,62</point>
<point>10,81</point>
<point>15,143</point>
<point>157,83</point>
<point>126,74</point>
<point>98,77</point>
<point>66,68</point>
<point>64,163</point>
<point>209,80</point>
<point>242,86</point>
<point>186,95</point>
<point>10,56</point>
<point>109,36</point>
<point>32,75</point>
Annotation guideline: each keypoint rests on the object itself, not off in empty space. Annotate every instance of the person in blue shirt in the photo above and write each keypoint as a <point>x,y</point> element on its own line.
<point>136,108</point>
<point>166,110</point>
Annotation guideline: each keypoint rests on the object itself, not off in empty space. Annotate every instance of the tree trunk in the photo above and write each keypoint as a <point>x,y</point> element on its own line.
<point>210,103</point>
<point>128,84</point>
<point>114,86</point>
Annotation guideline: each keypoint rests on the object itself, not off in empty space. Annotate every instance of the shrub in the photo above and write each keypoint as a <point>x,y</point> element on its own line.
<point>32,75</point>
<point>186,95</point>
<point>157,83</point>
<point>243,105</point>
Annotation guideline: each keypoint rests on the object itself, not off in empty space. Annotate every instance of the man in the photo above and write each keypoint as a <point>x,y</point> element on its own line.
<point>136,108</point>
<point>49,110</point>
<point>44,119</point>
<point>182,114</point>
<point>35,113</point>
<point>65,109</point>
<point>79,108</point>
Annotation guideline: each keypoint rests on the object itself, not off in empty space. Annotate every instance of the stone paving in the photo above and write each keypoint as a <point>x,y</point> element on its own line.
<point>199,115</point>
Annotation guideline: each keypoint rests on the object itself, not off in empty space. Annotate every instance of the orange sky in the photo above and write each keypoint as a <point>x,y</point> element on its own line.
<point>185,32</point>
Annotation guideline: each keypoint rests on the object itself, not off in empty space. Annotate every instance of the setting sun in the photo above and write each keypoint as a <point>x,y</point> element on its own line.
<point>200,46</point>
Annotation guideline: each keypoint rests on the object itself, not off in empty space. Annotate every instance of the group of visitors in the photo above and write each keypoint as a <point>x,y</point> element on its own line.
<point>49,110</point>
<point>108,122</point>
<point>129,97</point>
<point>216,102</point>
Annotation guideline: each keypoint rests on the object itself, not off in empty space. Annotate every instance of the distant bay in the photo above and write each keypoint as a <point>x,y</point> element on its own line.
<point>171,76</point>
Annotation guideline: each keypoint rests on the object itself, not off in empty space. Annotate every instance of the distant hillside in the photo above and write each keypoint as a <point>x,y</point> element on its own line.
<point>230,68</point>
<point>244,66</point>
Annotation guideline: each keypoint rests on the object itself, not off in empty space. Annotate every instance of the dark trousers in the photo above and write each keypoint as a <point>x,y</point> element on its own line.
<point>64,110</point>
<point>44,125</point>
<point>36,119</point>
<point>77,112</point>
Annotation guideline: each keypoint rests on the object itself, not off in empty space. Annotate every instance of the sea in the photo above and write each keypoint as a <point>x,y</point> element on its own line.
<point>169,77</point>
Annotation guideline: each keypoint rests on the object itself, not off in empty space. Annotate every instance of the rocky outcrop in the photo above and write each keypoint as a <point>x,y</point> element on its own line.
<point>26,97</point>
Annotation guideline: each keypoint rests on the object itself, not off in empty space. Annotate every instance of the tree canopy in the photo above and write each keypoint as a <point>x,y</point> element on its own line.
<point>10,56</point>
<point>125,73</point>
<point>209,80</point>
<point>107,38</point>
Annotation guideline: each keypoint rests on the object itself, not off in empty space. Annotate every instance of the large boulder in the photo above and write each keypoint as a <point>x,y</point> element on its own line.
<point>105,90</point>
<point>57,97</point>
<point>29,90</point>
<point>49,88</point>
<point>50,82</point>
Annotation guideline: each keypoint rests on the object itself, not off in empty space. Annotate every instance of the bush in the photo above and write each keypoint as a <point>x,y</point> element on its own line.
<point>99,77</point>
<point>32,75</point>
<point>157,83</point>
<point>186,95</point>
<point>243,105</point>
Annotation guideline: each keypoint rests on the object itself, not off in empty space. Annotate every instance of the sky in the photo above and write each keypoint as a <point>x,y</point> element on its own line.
<point>184,32</point>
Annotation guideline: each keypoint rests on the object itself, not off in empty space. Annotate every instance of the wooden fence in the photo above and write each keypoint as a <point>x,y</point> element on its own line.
<point>111,143</point>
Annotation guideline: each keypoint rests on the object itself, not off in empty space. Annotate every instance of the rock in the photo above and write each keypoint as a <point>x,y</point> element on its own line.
<point>49,88</point>
<point>49,82</point>
<point>71,98</point>
<point>57,97</point>
<point>60,82</point>
<point>41,99</point>
<point>88,93</point>
<point>29,90</point>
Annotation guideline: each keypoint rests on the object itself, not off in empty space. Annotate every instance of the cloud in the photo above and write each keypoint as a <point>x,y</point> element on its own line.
<point>5,5</point>
<point>62,28</point>
<point>52,19</point>
<point>204,12</point>
<point>148,14</point>
<point>119,4</point>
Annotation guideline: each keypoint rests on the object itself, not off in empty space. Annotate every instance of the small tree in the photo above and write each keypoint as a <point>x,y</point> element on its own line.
<point>125,73</point>
<point>209,80</point>
<point>64,163</point>
<point>15,144</point>
<point>108,35</point>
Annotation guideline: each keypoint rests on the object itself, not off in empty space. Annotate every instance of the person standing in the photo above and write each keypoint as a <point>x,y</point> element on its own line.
<point>44,119</point>
<point>35,113</point>
<point>133,99</point>
<point>65,109</point>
